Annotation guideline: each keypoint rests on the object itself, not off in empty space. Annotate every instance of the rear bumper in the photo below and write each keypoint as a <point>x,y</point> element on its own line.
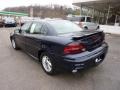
<point>83,60</point>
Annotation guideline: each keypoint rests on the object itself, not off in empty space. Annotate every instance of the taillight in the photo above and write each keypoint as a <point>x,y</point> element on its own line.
<point>74,48</point>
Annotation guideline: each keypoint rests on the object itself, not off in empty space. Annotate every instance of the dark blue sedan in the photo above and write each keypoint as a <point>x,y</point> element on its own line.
<point>60,44</point>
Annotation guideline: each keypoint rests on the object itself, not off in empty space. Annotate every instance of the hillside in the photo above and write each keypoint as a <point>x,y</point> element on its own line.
<point>55,11</point>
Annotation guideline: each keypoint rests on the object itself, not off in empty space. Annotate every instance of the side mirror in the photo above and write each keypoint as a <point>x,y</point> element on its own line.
<point>18,30</point>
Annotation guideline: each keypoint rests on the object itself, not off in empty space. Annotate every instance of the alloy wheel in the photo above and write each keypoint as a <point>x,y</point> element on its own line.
<point>13,44</point>
<point>47,65</point>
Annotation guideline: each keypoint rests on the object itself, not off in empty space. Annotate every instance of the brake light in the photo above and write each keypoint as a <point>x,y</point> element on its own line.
<point>74,48</point>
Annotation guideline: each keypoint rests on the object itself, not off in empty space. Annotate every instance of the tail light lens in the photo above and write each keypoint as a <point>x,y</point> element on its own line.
<point>74,48</point>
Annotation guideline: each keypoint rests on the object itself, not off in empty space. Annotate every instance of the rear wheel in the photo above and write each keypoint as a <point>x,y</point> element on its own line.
<point>48,64</point>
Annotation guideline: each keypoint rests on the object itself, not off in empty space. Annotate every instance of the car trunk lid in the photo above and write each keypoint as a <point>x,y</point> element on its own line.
<point>91,39</point>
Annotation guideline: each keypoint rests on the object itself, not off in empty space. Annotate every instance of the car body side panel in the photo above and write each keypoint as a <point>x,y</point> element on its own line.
<point>33,45</point>
<point>20,40</point>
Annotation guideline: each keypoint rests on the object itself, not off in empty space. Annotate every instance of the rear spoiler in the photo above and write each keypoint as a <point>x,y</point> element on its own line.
<point>83,36</point>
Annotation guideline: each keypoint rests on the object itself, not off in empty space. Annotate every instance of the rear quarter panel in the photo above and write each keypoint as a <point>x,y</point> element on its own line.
<point>52,44</point>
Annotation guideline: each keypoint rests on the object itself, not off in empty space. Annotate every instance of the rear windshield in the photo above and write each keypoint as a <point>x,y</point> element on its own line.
<point>64,27</point>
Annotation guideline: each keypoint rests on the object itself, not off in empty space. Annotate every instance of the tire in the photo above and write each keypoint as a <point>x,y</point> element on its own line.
<point>98,27</point>
<point>48,64</point>
<point>85,28</point>
<point>14,45</point>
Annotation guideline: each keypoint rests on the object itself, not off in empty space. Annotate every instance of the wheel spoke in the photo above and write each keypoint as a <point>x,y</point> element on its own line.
<point>49,63</point>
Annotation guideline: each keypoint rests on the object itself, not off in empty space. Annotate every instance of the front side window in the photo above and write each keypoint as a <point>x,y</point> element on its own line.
<point>35,28</point>
<point>38,28</point>
<point>26,27</point>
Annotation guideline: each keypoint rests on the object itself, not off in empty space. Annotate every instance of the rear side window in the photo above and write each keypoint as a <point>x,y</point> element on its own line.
<point>43,30</point>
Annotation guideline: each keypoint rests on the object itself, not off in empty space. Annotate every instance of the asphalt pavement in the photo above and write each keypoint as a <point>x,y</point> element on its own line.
<point>18,71</point>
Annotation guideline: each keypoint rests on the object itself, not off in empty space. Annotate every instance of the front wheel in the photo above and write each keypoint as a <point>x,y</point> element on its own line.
<point>48,64</point>
<point>14,45</point>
